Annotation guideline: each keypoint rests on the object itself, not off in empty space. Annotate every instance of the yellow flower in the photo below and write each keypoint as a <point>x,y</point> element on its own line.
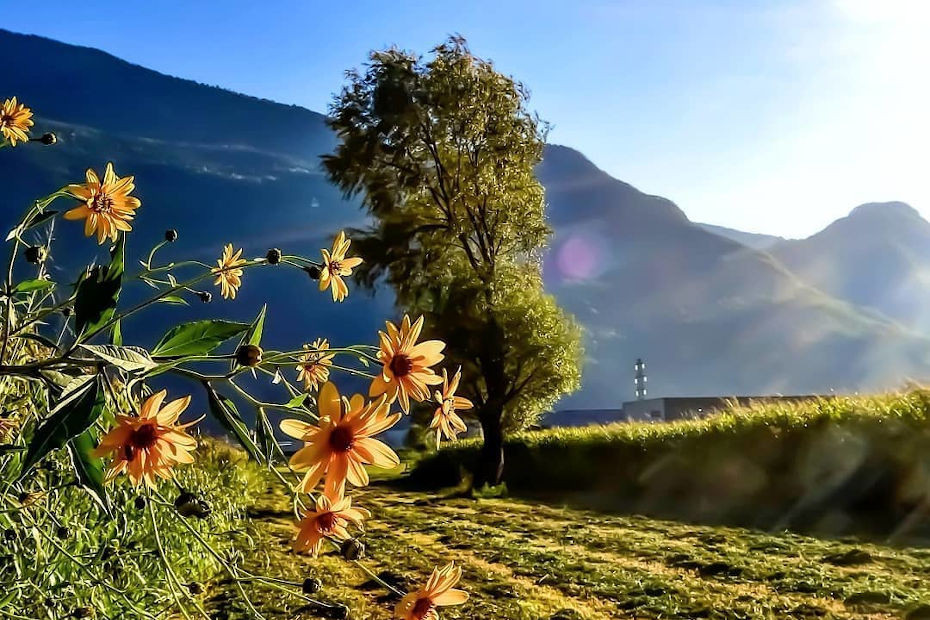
<point>406,372</point>
<point>107,207</point>
<point>228,274</point>
<point>445,419</point>
<point>313,366</point>
<point>438,592</point>
<point>15,121</point>
<point>336,265</point>
<point>329,518</point>
<point>343,443</point>
<point>150,444</point>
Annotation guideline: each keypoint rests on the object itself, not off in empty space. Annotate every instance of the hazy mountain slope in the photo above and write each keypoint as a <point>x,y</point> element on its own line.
<point>878,257</point>
<point>756,241</point>
<point>708,314</point>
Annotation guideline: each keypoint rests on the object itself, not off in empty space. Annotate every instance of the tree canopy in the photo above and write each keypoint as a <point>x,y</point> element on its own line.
<point>443,153</point>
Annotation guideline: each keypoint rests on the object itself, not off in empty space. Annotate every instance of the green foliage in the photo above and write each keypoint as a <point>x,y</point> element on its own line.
<point>98,292</point>
<point>70,417</point>
<point>833,465</point>
<point>197,337</point>
<point>443,152</point>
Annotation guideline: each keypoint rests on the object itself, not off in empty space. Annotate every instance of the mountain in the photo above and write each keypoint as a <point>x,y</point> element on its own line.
<point>757,241</point>
<point>877,257</point>
<point>710,315</point>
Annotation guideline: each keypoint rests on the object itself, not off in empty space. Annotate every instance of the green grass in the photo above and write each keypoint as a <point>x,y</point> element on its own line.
<point>834,465</point>
<point>59,551</point>
<point>525,560</point>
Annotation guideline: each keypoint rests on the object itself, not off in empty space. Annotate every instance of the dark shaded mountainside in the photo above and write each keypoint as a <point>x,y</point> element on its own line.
<point>709,314</point>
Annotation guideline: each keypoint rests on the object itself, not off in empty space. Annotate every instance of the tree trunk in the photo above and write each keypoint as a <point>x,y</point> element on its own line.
<point>490,468</point>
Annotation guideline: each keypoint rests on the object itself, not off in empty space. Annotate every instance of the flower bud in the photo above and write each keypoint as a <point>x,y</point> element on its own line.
<point>312,585</point>
<point>171,235</point>
<point>189,505</point>
<point>195,588</point>
<point>249,355</point>
<point>273,256</point>
<point>353,549</point>
<point>47,139</point>
<point>205,296</point>
<point>313,271</point>
<point>36,254</point>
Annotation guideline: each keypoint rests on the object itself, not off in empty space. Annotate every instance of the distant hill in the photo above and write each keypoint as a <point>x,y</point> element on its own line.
<point>710,315</point>
<point>757,241</point>
<point>877,257</point>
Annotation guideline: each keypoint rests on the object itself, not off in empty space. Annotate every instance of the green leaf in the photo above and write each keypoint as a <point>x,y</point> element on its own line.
<point>131,359</point>
<point>71,417</point>
<point>264,436</point>
<point>253,335</point>
<point>224,410</point>
<point>197,338</point>
<point>38,338</point>
<point>88,468</point>
<point>98,292</point>
<point>296,402</point>
<point>41,219</point>
<point>117,334</point>
<point>29,286</point>
<point>6,448</point>
<point>175,300</point>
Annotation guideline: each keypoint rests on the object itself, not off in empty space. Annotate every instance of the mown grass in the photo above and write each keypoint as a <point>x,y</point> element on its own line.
<point>526,560</point>
<point>833,465</point>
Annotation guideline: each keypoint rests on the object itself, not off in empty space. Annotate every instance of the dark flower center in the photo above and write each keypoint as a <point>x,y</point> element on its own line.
<point>401,365</point>
<point>5,119</point>
<point>341,439</point>
<point>143,437</point>
<point>326,522</point>
<point>334,267</point>
<point>101,203</point>
<point>422,607</point>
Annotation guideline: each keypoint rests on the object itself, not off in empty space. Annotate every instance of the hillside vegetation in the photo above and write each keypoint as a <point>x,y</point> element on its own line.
<point>831,465</point>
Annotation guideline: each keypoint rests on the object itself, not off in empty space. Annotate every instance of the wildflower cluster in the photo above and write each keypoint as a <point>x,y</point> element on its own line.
<point>70,385</point>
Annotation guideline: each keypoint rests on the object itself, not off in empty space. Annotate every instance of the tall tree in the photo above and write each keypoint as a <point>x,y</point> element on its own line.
<point>443,153</point>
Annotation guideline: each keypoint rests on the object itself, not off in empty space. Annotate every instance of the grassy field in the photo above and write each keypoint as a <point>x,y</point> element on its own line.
<point>524,560</point>
<point>832,466</point>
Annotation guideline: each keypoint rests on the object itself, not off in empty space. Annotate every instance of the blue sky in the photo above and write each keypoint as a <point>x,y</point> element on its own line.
<point>775,116</point>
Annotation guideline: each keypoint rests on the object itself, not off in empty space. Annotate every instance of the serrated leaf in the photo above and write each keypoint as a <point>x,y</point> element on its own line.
<point>225,411</point>
<point>71,416</point>
<point>197,337</point>
<point>131,359</point>
<point>88,468</point>
<point>98,292</point>
<point>30,286</point>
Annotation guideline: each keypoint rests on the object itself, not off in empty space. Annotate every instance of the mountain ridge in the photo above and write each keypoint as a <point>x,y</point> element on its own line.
<point>709,314</point>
